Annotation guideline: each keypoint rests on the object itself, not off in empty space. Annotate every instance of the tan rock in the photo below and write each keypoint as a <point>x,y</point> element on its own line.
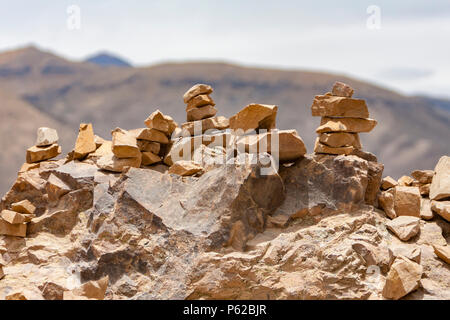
<point>85,143</point>
<point>16,296</point>
<point>321,148</point>
<point>17,230</point>
<point>423,176</point>
<point>149,158</point>
<point>157,121</point>
<point>150,135</point>
<point>201,113</point>
<point>342,90</point>
<point>172,124</point>
<point>37,154</point>
<point>340,139</point>
<point>2,274</point>
<point>148,146</point>
<point>56,188</point>
<point>386,202</point>
<point>196,90</point>
<point>219,123</point>
<point>124,144</point>
<point>388,182</point>
<point>255,116</point>
<point>24,206</point>
<point>405,181</point>
<point>424,189</point>
<point>28,166</point>
<point>99,141</point>
<point>328,124</point>
<point>443,252</point>
<point>403,278</point>
<point>440,186</point>
<point>200,101</point>
<point>185,168</point>
<point>332,106</point>
<point>425,209</point>
<point>407,201</point>
<point>46,137</point>
<point>404,227</point>
<point>110,162</point>
<point>442,208</point>
<point>412,252</point>
<point>12,217</point>
<point>104,149</point>
<point>290,145</point>
<point>95,290</point>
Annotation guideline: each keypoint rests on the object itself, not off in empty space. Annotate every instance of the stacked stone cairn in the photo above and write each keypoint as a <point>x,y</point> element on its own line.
<point>199,105</point>
<point>46,147</point>
<point>13,221</point>
<point>343,118</point>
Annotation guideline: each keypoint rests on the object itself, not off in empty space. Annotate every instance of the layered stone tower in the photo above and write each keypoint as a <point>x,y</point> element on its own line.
<point>199,105</point>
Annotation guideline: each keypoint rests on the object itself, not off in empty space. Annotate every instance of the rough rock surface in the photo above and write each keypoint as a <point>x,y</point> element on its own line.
<point>440,186</point>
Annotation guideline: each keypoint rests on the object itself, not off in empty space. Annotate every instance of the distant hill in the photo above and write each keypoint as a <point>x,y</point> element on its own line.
<point>412,132</point>
<point>105,59</point>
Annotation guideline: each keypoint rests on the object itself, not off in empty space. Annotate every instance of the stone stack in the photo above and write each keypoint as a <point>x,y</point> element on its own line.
<point>46,147</point>
<point>199,104</point>
<point>343,118</point>
<point>14,222</point>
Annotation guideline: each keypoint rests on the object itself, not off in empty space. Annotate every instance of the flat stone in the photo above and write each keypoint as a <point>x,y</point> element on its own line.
<point>424,189</point>
<point>342,90</point>
<point>201,113</point>
<point>124,144</point>
<point>110,162</point>
<point>148,146</point>
<point>442,208</point>
<point>410,251</point>
<point>321,148</point>
<point>403,278</point>
<point>386,202</point>
<point>185,168</point>
<point>219,123</point>
<point>28,166</point>
<point>149,158</point>
<point>388,182</point>
<point>200,101</point>
<point>12,217</point>
<point>46,137</point>
<point>340,139</point>
<point>85,143</point>
<point>196,90</point>
<point>407,201</point>
<point>150,135</point>
<point>16,230</point>
<point>37,154</point>
<point>104,149</point>
<point>443,252</point>
<point>24,206</point>
<point>290,146</point>
<point>328,124</point>
<point>425,209</point>
<point>405,181</point>
<point>157,121</point>
<point>404,227</point>
<point>423,176</point>
<point>332,106</point>
<point>440,185</point>
<point>254,117</point>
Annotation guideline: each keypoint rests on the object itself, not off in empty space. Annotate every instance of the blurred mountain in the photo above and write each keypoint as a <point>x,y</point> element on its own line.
<point>412,132</point>
<point>106,60</point>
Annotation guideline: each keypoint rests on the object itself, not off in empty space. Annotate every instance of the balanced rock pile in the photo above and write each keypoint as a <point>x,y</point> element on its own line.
<point>13,222</point>
<point>343,118</point>
<point>46,147</point>
<point>199,105</point>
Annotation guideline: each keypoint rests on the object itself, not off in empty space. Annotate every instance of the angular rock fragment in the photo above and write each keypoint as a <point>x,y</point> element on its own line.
<point>158,122</point>
<point>440,185</point>
<point>412,252</point>
<point>386,202</point>
<point>185,168</point>
<point>104,149</point>
<point>407,201</point>
<point>423,176</point>
<point>85,143</point>
<point>405,181</point>
<point>200,101</point>
<point>333,106</point>
<point>24,206</point>
<point>148,146</point>
<point>328,124</point>
<point>254,117</point>
<point>425,209</point>
<point>8,229</point>
<point>124,144</point>
<point>321,148</point>
<point>388,182</point>
<point>12,217</point>
<point>340,139</point>
<point>201,113</point>
<point>442,208</point>
<point>443,252</point>
<point>149,158</point>
<point>196,90</point>
<point>92,290</point>
<point>46,137</point>
<point>56,188</point>
<point>2,274</point>
<point>341,89</point>
<point>424,189</point>
<point>99,141</point>
<point>37,154</point>
<point>110,162</point>
<point>404,227</point>
<point>150,135</point>
<point>403,278</point>
<point>219,123</point>
<point>28,166</point>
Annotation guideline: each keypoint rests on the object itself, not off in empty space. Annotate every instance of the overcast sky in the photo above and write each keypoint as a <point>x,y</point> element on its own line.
<point>409,51</point>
